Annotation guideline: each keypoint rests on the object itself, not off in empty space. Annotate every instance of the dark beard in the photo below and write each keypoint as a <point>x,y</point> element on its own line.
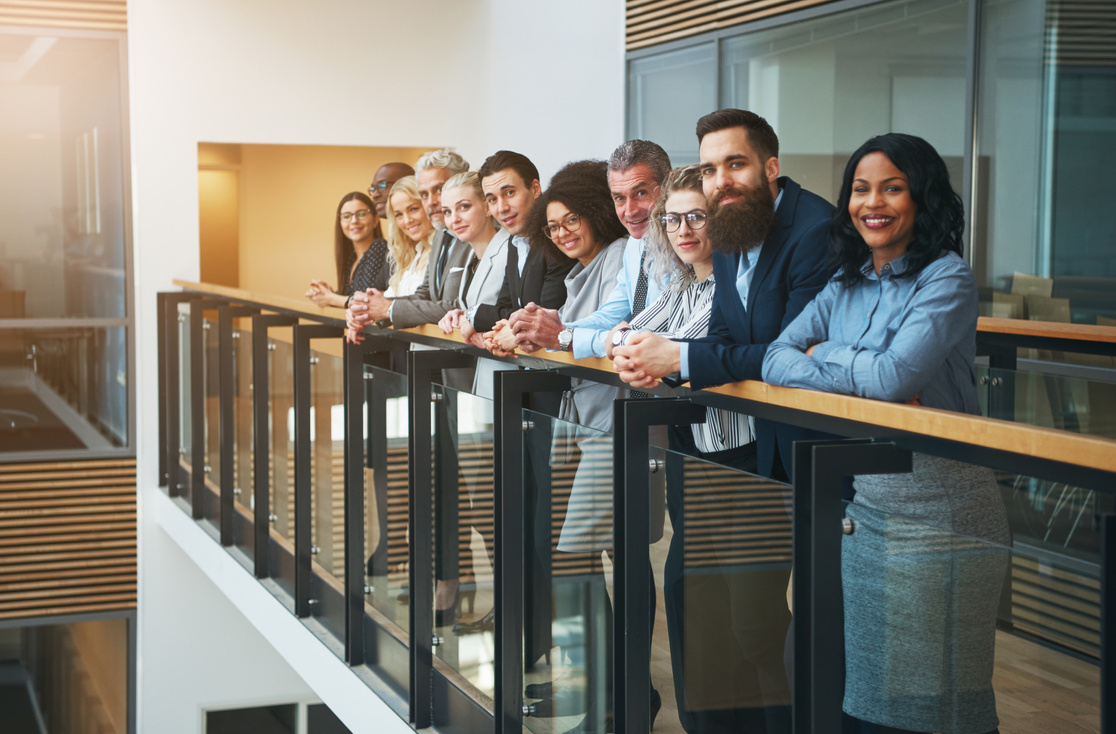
<point>742,224</point>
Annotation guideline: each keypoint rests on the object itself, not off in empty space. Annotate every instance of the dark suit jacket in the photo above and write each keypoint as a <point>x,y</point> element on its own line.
<point>438,292</point>
<point>793,267</point>
<point>543,282</point>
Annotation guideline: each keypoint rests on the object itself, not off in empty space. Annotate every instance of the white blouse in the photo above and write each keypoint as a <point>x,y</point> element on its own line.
<point>413,276</point>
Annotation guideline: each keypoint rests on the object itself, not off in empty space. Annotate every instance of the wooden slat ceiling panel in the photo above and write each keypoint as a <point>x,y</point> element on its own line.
<point>98,15</point>
<point>67,537</point>
<point>651,22</point>
<point>1081,33</point>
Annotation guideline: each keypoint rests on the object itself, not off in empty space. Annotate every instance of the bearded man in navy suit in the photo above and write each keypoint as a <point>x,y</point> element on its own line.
<point>770,239</point>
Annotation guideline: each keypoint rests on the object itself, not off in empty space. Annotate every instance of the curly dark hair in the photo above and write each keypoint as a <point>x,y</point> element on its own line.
<point>939,217</point>
<point>583,187</point>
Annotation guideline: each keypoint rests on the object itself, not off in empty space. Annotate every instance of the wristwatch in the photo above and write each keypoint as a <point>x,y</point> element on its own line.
<point>565,338</point>
<point>618,337</point>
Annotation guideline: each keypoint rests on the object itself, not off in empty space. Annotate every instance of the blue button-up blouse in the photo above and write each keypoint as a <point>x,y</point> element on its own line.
<point>887,337</point>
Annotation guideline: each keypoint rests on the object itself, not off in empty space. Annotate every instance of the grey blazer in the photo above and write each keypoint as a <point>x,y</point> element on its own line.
<point>438,293</point>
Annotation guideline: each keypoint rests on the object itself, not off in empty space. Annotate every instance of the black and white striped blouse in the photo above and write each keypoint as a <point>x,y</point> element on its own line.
<point>685,315</point>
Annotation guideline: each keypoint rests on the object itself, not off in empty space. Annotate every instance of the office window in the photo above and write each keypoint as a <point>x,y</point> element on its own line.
<point>667,93</point>
<point>64,318</point>
<point>827,85</point>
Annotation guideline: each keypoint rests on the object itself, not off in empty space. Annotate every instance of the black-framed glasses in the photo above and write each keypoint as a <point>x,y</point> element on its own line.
<point>571,224</point>
<point>360,214</point>
<point>695,219</point>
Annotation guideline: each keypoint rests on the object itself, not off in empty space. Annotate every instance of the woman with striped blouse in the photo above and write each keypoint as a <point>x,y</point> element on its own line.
<point>740,607</point>
<point>679,249</point>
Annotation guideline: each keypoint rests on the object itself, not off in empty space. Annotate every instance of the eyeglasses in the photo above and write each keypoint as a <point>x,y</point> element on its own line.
<point>381,186</point>
<point>695,219</point>
<point>360,214</point>
<point>571,224</point>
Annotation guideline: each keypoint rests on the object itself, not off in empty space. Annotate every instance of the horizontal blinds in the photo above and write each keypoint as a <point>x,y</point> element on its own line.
<point>67,537</point>
<point>96,15</point>
<point>650,22</point>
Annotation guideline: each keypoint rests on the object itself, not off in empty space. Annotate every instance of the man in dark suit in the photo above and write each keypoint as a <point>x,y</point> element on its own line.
<point>438,292</point>
<point>770,238</point>
<point>511,185</point>
<point>771,251</point>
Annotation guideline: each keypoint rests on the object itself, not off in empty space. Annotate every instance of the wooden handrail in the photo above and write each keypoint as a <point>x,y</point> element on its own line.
<point>1044,443</point>
<point>1048,329</point>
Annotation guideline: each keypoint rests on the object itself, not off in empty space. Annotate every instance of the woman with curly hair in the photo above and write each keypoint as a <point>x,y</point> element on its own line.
<point>359,252</point>
<point>898,323</point>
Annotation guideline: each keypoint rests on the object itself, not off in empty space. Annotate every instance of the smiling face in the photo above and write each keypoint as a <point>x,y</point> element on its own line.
<point>881,207</point>
<point>430,181</point>
<point>382,182</point>
<point>509,198</point>
<point>465,214</point>
<point>358,229</point>
<point>410,217</point>
<point>580,244</point>
<point>691,245</point>
<point>634,191</point>
<point>731,167</point>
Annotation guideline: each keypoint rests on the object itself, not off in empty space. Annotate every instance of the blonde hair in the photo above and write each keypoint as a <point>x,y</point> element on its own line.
<point>401,248</point>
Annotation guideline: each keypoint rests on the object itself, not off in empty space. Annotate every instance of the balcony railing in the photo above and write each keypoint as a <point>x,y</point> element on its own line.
<point>356,481</point>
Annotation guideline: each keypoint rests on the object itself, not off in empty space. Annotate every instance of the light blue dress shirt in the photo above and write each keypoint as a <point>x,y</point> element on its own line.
<point>888,337</point>
<point>590,332</point>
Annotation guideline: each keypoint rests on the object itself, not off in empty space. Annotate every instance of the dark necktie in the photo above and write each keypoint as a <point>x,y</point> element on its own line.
<point>439,274</point>
<point>639,302</point>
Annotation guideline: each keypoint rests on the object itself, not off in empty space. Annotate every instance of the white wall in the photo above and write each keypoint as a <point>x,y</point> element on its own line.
<point>543,78</point>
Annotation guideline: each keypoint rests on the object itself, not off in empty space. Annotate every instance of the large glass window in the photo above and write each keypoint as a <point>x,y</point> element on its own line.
<point>829,84</point>
<point>666,95</point>
<point>64,318</point>
<point>1046,146</point>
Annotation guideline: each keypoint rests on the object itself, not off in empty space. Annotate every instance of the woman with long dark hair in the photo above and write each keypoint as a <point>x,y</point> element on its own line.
<point>359,252</point>
<point>898,323</point>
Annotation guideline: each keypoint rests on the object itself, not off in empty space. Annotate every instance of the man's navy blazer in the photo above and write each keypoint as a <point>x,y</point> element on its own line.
<point>793,267</point>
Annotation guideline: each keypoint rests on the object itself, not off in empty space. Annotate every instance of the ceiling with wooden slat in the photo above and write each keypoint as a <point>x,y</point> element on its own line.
<point>95,15</point>
<point>651,22</point>
<point>1081,32</point>
<point>67,537</point>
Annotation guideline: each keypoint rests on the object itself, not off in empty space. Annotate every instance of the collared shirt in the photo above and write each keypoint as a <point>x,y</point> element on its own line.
<point>523,249</point>
<point>888,337</point>
<point>589,333</point>
<point>745,269</point>
<point>685,315</point>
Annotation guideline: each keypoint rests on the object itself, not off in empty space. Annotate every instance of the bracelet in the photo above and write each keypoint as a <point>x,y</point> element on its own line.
<point>348,301</point>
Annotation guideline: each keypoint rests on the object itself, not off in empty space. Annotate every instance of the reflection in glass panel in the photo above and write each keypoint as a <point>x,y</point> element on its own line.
<point>724,565</point>
<point>185,393</point>
<point>243,465</point>
<point>61,185</point>
<point>211,499</point>
<point>1051,401</point>
<point>327,463</point>
<point>1043,231</point>
<point>387,493</point>
<point>827,85</point>
<point>569,483</point>
<point>916,590</point>
<point>282,497</point>
<point>464,542</point>
<point>667,93</point>
<point>63,388</point>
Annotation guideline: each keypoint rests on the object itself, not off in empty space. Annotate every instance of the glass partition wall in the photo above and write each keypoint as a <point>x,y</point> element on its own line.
<point>1018,96</point>
<point>65,315</point>
<point>486,565</point>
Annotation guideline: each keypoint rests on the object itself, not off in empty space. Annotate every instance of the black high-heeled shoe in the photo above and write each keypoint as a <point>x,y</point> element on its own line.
<point>487,623</point>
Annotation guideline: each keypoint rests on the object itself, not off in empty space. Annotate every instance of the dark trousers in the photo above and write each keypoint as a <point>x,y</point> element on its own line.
<point>726,620</point>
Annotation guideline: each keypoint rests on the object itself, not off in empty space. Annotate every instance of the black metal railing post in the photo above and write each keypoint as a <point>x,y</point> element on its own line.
<point>511,390</point>
<point>631,452</point>
<point>261,437</point>
<point>304,480</point>
<point>226,413</point>
<point>819,638</point>
<point>421,370</point>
